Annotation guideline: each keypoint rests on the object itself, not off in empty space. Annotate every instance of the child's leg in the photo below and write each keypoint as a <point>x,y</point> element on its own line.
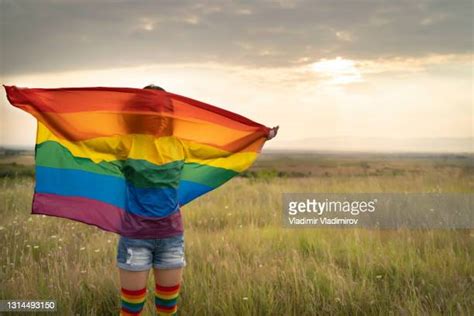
<point>168,277</point>
<point>168,264</point>
<point>133,291</point>
<point>168,283</point>
<point>133,280</point>
<point>134,260</point>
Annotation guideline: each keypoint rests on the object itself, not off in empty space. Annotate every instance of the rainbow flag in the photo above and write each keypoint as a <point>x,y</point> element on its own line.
<point>126,160</point>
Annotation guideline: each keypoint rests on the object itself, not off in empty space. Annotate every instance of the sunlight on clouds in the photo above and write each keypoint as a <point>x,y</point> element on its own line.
<point>337,71</point>
<point>244,12</point>
<point>342,71</point>
<point>191,19</point>
<point>147,24</point>
<point>411,65</point>
<point>333,95</point>
<point>344,36</point>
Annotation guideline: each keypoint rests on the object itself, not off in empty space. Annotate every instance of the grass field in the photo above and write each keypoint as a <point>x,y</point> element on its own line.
<point>241,261</point>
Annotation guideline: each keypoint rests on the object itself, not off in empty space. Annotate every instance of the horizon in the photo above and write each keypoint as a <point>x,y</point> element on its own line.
<point>466,148</point>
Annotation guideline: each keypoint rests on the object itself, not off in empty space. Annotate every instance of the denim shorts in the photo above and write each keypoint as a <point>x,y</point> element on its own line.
<point>143,254</point>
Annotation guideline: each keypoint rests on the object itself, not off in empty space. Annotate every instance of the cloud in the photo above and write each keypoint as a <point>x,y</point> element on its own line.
<point>39,36</point>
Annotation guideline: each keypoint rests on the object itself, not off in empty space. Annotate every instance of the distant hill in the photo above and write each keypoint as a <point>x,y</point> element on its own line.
<point>15,150</point>
<point>377,144</point>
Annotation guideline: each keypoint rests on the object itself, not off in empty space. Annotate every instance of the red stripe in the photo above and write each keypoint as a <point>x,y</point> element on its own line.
<point>165,308</point>
<point>68,100</point>
<point>134,292</point>
<point>172,288</point>
<point>129,313</point>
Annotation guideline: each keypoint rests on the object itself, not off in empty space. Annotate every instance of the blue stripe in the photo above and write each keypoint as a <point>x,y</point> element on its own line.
<point>133,308</point>
<point>188,191</point>
<point>153,202</point>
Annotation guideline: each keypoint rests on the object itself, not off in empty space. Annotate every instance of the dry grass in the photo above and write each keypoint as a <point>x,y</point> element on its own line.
<point>241,261</point>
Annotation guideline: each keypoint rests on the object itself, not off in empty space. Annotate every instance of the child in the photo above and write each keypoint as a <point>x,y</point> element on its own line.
<point>135,258</point>
<point>115,158</point>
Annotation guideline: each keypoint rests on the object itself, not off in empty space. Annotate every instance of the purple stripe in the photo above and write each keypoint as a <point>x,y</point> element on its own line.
<point>107,217</point>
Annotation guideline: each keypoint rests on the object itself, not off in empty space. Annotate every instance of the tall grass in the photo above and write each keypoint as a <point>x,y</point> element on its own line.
<point>241,261</point>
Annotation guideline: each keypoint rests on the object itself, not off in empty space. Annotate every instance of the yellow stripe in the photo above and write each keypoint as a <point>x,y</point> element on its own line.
<point>133,300</point>
<point>146,147</point>
<point>164,296</point>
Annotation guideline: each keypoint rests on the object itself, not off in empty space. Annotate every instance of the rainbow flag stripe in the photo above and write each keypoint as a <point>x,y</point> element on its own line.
<point>126,160</point>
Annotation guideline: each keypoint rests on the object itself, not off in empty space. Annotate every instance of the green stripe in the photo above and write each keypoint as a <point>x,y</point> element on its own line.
<point>141,173</point>
<point>207,175</point>
<point>135,307</point>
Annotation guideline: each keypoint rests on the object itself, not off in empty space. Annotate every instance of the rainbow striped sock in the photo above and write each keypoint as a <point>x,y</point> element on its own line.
<point>166,298</point>
<point>132,301</point>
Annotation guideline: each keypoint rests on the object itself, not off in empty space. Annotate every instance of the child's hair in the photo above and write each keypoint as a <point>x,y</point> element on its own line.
<point>152,86</point>
<point>142,122</point>
<point>161,125</point>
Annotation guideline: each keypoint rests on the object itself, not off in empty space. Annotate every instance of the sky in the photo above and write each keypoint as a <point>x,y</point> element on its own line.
<point>329,73</point>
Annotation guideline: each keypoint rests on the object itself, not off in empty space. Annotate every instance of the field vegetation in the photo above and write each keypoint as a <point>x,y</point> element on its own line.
<point>242,261</point>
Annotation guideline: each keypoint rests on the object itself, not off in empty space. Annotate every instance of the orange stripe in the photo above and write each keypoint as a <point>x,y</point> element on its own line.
<point>133,298</point>
<point>87,125</point>
<point>184,110</point>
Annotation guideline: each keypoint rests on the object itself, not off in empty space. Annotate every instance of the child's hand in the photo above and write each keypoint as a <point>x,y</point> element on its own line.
<point>273,132</point>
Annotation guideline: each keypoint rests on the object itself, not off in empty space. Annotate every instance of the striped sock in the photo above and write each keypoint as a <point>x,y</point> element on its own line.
<point>132,301</point>
<point>166,298</point>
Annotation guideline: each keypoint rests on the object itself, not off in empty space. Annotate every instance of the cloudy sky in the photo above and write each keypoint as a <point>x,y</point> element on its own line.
<point>320,69</point>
